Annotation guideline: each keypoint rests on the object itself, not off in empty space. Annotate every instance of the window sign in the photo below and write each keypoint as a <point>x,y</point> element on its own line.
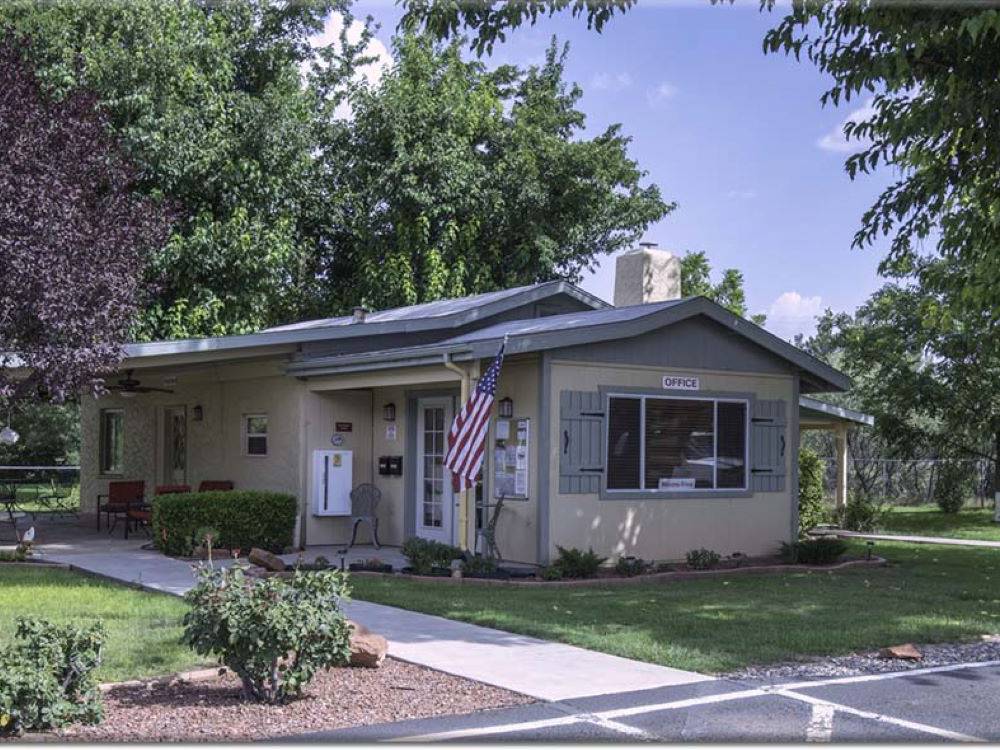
<point>681,382</point>
<point>510,458</point>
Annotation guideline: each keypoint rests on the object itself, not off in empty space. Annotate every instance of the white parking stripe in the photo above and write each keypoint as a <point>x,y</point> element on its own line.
<point>925,728</point>
<point>820,727</point>
<point>882,676</point>
<point>523,726</point>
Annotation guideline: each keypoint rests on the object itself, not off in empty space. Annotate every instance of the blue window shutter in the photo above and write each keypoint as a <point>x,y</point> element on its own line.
<point>768,446</point>
<point>581,442</point>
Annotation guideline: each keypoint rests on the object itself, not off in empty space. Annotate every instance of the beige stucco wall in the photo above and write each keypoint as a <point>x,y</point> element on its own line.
<point>517,526</point>
<point>664,529</point>
<point>215,446</point>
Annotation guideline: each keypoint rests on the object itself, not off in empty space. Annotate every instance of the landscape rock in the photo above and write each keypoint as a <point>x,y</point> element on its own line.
<point>266,560</point>
<point>903,651</point>
<point>368,649</point>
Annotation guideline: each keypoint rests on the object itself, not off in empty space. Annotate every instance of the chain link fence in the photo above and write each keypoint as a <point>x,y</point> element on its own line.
<point>905,482</point>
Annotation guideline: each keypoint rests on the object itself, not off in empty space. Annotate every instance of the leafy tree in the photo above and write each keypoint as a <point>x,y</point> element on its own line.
<point>444,19</point>
<point>923,367</point>
<point>458,180</point>
<point>930,72</point>
<point>208,101</point>
<point>73,237</point>
<point>696,279</point>
<point>50,434</point>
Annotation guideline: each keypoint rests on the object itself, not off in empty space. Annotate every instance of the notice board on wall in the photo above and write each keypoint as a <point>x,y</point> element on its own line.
<point>510,458</point>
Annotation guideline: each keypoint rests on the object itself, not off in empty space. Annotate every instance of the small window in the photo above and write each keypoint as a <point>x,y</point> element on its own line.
<point>255,429</point>
<point>662,444</point>
<point>112,440</point>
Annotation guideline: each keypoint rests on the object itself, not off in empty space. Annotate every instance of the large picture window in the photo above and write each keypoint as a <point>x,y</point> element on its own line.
<point>112,440</point>
<point>665,444</point>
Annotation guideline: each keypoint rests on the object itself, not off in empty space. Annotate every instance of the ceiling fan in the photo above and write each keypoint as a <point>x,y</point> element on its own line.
<point>129,386</point>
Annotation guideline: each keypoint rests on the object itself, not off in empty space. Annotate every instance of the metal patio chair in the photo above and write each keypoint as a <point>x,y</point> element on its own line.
<point>364,501</point>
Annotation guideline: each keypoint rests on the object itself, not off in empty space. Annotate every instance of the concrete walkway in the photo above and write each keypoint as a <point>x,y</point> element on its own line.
<point>541,669</point>
<point>917,539</point>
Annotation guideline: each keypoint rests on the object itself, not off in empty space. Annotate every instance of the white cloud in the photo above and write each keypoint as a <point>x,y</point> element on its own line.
<point>791,313</point>
<point>835,139</point>
<point>611,81</point>
<point>372,73</point>
<point>659,94</point>
<point>743,195</point>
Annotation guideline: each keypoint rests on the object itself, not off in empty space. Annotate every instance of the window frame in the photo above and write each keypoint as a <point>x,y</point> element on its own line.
<point>609,392</point>
<point>246,434</point>
<point>103,469</point>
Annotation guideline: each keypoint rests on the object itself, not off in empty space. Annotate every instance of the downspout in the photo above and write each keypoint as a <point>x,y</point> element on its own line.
<point>463,503</point>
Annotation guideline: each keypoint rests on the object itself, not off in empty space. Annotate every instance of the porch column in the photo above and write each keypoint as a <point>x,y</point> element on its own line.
<point>841,440</point>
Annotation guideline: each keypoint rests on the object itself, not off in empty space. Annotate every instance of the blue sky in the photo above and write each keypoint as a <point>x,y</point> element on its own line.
<point>736,137</point>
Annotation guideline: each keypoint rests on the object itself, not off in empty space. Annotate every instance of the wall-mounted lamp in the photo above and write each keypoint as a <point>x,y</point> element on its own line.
<point>389,412</point>
<point>198,412</point>
<point>505,408</point>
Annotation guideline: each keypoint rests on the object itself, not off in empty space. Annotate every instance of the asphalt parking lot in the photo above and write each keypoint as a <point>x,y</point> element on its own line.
<point>959,703</point>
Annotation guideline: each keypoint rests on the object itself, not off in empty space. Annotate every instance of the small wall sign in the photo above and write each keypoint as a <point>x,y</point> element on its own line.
<point>676,483</point>
<point>390,431</point>
<point>344,426</point>
<point>336,439</point>
<point>681,382</point>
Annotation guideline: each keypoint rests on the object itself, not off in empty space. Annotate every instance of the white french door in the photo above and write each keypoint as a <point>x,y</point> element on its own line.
<point>435,501</point>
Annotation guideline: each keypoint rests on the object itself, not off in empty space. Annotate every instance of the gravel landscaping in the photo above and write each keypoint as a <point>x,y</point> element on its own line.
<point>214,711</point>
<point>850,665</point>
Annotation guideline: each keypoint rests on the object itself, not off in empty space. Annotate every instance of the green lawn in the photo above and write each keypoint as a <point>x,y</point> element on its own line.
<point>143,628</point>
<point>928,520</point>
<point>930,593</point>
<point>27,494</point>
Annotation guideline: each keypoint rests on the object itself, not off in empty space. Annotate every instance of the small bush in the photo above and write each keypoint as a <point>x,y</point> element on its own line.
<point>631,566</point>
<point>811,508</point>
<point>552,573</point>
<point>425,554</point>
<point>244,519</point>
<point>862,514</point>
<point>477,565</point>
<point>13,555</point>
<point>702,559</point>
<point>821,550</point>
<point>952,487</point>
<point>575,563</point>
<point>273,633</point>
<point>47,677</point>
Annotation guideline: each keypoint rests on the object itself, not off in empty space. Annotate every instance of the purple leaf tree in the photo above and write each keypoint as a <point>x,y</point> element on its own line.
<point>73,239</point>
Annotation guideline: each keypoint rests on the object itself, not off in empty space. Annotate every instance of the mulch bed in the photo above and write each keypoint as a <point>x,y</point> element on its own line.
<point>213,710</point>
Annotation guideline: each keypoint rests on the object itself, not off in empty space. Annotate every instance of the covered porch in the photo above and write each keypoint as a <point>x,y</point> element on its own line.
<point>819,415</point>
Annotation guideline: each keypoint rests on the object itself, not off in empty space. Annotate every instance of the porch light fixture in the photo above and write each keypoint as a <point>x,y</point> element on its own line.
<point>198,413</point>
<point>505,408</point>
<point>389,412</point>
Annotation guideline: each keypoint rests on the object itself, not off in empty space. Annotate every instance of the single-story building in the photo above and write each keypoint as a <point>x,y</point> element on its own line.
<point>648,428</point>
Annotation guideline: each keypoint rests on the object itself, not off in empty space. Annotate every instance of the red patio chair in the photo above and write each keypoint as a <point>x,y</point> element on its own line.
<point>214,485</point>
<point>120,496</point>
<point>172,489</point>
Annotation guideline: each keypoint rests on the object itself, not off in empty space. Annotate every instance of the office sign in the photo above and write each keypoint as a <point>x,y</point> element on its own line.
<point>681,382</point>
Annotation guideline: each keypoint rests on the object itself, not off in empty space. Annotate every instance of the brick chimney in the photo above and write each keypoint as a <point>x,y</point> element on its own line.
<point>647,274</point>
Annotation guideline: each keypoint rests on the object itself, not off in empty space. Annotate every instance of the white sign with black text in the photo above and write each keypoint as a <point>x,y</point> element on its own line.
<point>681,382</point>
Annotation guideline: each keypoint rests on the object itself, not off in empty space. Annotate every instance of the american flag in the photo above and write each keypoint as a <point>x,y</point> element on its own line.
<point>467,439</point>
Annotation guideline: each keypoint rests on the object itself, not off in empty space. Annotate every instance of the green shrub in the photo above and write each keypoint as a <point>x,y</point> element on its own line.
<point>273,633</point>
<point>631,566</point>
<point>425,554</point>
<point>575,563</point>
<point>811,508</point>
<point>953,486</point>
<point>47,676</point>
<point>243,519</point>
<point>862,514</point>
<point>702,559</point>
<point>821,550</point>
<point>479,566</point>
